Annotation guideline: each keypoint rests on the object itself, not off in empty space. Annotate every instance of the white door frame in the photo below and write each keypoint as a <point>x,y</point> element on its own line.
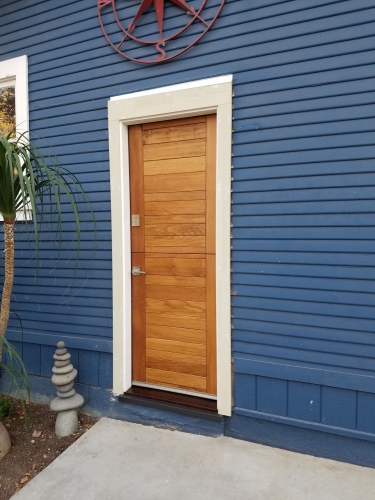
<point>201,97</point>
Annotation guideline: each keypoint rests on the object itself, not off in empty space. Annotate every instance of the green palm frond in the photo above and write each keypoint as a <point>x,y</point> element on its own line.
<point>35,185</point>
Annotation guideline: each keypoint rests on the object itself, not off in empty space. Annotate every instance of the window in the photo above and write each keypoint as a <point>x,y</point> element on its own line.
<point>8,109</point>
<point>14,99</point>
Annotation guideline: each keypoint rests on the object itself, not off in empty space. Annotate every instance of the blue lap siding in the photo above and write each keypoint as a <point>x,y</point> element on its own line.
<point>303,230</point>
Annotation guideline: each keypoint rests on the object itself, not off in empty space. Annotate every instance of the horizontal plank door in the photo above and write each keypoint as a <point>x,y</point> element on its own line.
<point>172,178</point>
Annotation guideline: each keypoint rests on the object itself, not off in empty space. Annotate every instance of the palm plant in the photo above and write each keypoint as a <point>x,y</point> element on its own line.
<point>31,187</point>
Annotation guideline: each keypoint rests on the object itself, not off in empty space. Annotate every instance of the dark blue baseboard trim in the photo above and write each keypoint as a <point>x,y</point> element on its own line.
<point>307,425</point>
<point>300,440</point>
<point>286,435</point>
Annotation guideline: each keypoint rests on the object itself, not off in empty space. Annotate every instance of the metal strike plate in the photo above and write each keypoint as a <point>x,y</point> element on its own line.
<point>136,220</point>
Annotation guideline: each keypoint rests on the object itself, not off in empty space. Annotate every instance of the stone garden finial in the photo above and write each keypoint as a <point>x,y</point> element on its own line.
<point>67,401</point>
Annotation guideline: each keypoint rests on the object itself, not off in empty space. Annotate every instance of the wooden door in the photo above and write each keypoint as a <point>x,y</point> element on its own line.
<point>173,191</point>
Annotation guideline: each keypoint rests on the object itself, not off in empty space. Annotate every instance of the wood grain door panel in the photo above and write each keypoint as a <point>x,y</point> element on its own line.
<point>173,190</point>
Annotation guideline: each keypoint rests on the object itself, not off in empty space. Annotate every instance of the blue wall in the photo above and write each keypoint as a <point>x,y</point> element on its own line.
<point>303,196</point>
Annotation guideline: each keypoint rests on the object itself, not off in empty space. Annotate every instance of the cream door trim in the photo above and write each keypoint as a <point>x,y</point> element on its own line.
<point>166,103</point>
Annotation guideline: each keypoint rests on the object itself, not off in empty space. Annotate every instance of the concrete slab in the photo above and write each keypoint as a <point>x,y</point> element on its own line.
<point>116,460</point>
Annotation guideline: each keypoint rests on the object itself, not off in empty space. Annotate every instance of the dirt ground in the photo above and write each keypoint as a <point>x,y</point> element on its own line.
<point>31,454</point>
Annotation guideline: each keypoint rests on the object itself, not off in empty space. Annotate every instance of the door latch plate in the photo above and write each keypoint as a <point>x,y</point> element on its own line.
<point>136,220</point>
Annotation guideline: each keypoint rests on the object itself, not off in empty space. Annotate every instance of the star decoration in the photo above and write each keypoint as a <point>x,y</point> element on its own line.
<point>159,8</point>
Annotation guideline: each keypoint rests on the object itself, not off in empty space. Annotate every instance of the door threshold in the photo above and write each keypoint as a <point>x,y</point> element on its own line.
<point>172,389</point>
<point>171,401</point>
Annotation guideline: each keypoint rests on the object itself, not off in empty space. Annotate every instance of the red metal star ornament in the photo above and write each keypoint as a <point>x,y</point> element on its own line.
<point>194,27</point>
<point>159,8</point>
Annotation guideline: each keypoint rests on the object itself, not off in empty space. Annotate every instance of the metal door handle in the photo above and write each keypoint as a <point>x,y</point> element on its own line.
<point>136,271</point>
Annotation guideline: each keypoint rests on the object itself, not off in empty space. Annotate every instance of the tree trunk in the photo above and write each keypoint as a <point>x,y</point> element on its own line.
<point>8,278</point>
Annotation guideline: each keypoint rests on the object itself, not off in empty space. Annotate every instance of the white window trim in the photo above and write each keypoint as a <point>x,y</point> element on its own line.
<point>194,98</point>
<point>15,72</point>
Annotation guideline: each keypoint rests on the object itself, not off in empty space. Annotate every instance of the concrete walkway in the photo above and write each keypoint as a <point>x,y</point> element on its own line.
<point>119,460</point>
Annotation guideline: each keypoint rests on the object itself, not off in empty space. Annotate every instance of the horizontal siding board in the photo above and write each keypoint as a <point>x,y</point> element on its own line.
<point>307,221</point>
<point>71,265</point>
<point>7,7</point>
<point>301,157</point>
<point>305,144</point>
<point>296,355</point>
<point>63,282</point>
<point>71,129</point>
<point>306,246</point>
<point>246,327</point>
<point>334,233</point>
<point>84,327</point>
<point>80,274</point>
<point>282,292</point>
<point>361,288</point>
<point>48,249</point>
<point>324,130</point>
<point>319,258</point>
<point>307,344</point>
<point>63,254</point>
<point>61,316</point>
<point>88,137</point>
<point>305,169</point>
<point>322,271</point>
<point>307,197</point>
<point>80,118</point>
<point>38,113</point>
<point>65,295</point>
<point>343,315</point>
<point>49,305</point>
<point>300,318</point>
<point>303,102</point>
<point>352,113</point>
